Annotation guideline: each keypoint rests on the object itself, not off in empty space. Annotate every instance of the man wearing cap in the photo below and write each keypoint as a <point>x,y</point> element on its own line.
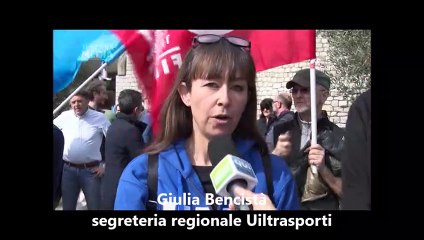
<point>320,191</point>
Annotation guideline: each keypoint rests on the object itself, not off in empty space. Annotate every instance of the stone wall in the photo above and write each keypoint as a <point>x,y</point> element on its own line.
<point>126,79</point>
<point>271,82</point>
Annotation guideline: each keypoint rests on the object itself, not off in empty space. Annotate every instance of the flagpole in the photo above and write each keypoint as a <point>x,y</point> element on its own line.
<point>313,94</point>
<point>79,88</point>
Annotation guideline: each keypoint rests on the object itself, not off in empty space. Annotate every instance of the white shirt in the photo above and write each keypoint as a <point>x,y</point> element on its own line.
<point>83,135</point>
<point>306,132</point>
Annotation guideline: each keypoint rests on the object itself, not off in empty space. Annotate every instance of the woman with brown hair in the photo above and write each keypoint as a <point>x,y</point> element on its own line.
<point>213,95</point>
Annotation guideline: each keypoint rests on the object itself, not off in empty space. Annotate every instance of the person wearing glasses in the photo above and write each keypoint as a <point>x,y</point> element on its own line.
<point>281,106</point>
<point>266,117</point>
<point>320,191</point>
<point>214,89</point>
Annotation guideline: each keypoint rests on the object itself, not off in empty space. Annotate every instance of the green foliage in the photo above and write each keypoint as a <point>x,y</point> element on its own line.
<point>350,56</point>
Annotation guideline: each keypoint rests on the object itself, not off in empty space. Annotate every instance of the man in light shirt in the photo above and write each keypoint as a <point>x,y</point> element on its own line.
<point>83,130</point>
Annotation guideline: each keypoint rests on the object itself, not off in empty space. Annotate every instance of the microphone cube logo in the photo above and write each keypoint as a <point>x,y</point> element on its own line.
<point>243,166</point>
<point>229,169</point>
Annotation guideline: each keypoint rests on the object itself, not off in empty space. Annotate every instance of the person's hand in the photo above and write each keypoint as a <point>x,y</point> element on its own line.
<point>259,201</point>
<point>283,146</point>
<point>316,156</point>
<point>99,170</point>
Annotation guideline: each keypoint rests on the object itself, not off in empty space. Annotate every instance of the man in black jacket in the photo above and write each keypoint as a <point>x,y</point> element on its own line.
<point>123,143</point>
<point>318,191</point>
<point>58,144</point>
<point>356,165</point>
<point>281,106</point>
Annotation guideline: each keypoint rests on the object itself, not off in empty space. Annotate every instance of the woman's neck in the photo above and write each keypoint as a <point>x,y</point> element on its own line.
<point>197,149</point>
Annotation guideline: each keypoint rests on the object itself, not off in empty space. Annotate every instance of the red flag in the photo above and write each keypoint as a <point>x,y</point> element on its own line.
<point>272,48</point>
<point>138,44</point>
<point>158,54</point>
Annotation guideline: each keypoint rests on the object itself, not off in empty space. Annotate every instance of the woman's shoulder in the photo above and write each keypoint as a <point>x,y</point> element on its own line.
<point>140,163</point>
<point>136,168</point>
<point>277,161</point>
<point>279,166</point>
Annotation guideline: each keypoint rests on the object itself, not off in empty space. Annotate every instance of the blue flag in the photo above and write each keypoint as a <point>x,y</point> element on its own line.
<point>72,47</point>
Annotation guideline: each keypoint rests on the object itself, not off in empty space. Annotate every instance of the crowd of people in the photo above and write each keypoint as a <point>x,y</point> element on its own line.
<point>93,140</point>
<point>213,95</point>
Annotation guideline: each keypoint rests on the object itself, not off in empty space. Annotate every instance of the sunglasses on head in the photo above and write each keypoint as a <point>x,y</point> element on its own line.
<point>212,38</point>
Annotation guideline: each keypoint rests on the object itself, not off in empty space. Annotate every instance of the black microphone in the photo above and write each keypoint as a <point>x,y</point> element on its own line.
<point>229,169</point>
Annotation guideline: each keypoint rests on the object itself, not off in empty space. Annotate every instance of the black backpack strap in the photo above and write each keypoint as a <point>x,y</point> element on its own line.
<point>268,175</point>
<point>152,181</point>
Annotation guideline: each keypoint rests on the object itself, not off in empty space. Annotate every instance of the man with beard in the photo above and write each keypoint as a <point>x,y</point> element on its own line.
<point>320,191</point>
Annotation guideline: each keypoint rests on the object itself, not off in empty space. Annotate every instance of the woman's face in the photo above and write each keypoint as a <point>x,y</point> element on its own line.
<point>266,112</point>
<point>216,104</point>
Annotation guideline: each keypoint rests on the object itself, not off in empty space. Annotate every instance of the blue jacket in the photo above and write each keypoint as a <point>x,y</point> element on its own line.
<point>177,176</point>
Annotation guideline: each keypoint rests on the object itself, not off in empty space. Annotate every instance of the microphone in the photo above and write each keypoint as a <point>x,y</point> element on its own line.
<point>229,169</point>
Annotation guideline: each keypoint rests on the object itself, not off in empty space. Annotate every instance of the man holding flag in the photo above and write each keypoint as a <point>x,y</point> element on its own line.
<point>320,190</point>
